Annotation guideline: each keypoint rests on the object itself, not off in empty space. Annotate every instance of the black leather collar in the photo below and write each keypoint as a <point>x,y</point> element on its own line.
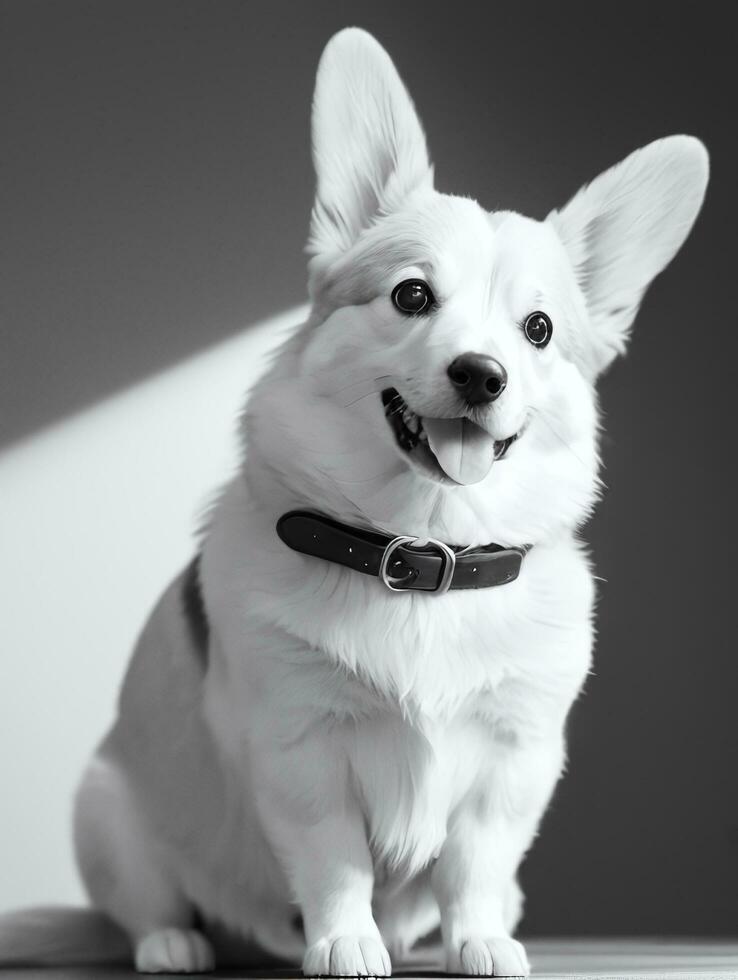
<point>403,563</point>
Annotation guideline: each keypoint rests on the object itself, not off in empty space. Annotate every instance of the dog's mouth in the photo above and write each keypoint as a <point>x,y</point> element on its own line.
<point>454,449</point>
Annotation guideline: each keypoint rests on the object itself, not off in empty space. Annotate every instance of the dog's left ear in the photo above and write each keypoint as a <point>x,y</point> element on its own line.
<point>368,145</point>
<point>622,229</point>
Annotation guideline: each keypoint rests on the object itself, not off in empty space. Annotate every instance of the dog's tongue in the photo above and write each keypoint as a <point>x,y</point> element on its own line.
<point>464,451</point>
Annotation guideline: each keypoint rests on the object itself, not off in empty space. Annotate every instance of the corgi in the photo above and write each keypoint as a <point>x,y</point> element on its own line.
<point>344,720</point>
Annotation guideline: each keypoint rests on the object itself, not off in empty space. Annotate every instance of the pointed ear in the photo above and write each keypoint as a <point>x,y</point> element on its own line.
<point>368,145</point>
<point>622,229</point>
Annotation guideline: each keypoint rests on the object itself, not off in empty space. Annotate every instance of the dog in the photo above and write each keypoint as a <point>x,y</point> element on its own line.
<point>344,720</point>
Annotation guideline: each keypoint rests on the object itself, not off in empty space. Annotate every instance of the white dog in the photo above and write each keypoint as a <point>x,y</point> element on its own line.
<point>343,723</point>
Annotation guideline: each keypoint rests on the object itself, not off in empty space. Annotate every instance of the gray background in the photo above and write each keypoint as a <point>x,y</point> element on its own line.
<point>155,192</point>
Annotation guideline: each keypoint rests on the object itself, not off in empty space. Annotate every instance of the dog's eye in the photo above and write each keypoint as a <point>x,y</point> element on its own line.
<point>538,328</point>
<point>412,296</point>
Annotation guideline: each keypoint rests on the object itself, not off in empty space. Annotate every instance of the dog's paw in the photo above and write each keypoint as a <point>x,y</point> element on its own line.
<point>496,957</point>
<point>174,951</point>
<point>347,956</point>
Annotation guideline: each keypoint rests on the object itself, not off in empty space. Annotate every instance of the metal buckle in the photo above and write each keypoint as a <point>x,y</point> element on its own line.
<point>447,571</point>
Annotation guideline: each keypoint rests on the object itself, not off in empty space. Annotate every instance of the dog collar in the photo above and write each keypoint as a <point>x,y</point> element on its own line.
<point>404,563</point>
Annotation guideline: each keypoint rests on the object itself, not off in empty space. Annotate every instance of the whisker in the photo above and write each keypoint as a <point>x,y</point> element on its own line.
<point>353,383</point>
<point>375,387</point>
<point>374,391</point>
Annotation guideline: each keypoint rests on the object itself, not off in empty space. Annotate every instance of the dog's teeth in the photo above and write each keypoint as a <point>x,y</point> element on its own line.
<point>412,422</point>
<point>407,425</point>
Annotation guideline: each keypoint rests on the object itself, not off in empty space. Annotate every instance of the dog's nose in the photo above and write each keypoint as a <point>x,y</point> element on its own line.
<point>478,378</point>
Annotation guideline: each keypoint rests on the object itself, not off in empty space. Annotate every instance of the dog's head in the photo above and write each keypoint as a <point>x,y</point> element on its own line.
<point>444,384</point>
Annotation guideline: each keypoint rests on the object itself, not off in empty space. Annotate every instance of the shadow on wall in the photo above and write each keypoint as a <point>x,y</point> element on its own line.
<point>98,513</point>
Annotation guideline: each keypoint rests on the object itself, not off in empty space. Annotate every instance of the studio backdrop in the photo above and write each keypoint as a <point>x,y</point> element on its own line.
<point>156,185</point>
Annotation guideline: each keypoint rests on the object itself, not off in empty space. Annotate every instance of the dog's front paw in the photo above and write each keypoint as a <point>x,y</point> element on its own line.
<point>499,956</point>
<point>174,951</point>
<point>347,956</point>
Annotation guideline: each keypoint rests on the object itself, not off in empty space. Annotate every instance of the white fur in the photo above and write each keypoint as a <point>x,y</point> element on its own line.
<point>382,761</point>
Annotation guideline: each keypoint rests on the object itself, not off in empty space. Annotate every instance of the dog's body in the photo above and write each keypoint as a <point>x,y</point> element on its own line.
<point>299,716</point>
<point>309,739</point>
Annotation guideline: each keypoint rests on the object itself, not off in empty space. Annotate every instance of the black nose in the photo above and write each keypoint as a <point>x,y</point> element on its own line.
<point>477,377</point>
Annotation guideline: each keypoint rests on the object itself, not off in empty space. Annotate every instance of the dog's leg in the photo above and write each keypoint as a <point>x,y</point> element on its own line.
<point>514,901</point>
<point>126,877</point>
<point>488,836</point>
<point>406,915</point>
<point>331,871</point>
<point>313,820</point>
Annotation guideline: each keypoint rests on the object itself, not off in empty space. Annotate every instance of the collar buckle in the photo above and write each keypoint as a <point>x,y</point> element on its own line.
<point>394,584</point>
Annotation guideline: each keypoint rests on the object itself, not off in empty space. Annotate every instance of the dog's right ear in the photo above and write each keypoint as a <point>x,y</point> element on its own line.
<point>368,145</point>
<point>622,229</point>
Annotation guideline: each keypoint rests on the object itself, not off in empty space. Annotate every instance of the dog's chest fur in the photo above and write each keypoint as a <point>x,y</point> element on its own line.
<point>410,778</point>
<point>425,698</point>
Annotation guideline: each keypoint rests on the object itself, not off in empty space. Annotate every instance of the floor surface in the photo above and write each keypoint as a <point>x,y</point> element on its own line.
<point>583,959</point>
